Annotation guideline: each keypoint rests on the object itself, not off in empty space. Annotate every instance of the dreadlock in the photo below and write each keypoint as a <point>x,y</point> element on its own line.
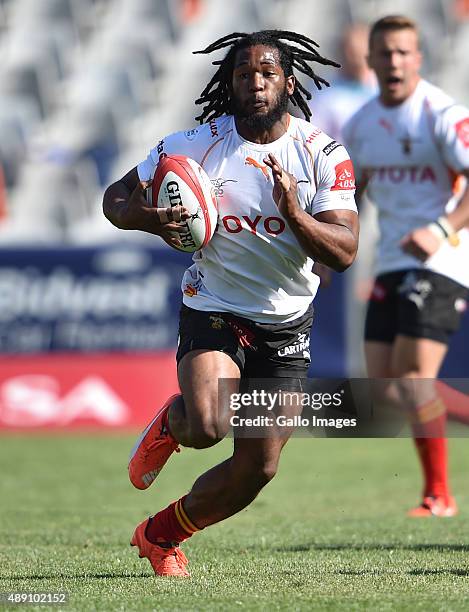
<point>216,97</point>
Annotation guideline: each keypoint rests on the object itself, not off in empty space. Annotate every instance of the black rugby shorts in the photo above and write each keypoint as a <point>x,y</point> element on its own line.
<point>416,303</point>
<point>261,350</point>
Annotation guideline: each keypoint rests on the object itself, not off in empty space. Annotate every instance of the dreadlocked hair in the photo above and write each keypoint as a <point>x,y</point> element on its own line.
<point>216,97</point>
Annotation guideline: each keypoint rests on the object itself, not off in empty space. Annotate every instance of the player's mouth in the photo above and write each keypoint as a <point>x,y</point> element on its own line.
<point>257,103</point>
<point>393,81</point>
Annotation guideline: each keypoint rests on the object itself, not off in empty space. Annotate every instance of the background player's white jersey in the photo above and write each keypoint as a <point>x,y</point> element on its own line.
<point>254,265</point>
<point>411,155</point>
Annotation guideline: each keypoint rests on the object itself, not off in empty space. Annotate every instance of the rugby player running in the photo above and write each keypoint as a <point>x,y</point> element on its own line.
<point>408,145</point>
<point>288,200</point>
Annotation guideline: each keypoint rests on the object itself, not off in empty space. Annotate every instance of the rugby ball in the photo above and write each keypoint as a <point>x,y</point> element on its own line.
<point>179,180</point>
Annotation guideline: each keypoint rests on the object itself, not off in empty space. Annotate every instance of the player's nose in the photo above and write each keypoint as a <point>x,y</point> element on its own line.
<point>256,82</point>
<point>394,60</point>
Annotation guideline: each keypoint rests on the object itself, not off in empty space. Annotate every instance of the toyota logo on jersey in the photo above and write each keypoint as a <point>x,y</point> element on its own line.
<point>344,176</point>
<point>462,130</point>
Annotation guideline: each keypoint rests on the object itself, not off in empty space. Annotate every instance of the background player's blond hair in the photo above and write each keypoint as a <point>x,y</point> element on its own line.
<point>391,23</point>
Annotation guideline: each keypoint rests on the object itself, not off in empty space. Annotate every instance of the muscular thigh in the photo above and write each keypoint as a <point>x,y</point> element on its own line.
<point>207,378</point>
<point>417,357</point>
<point>378,356</point>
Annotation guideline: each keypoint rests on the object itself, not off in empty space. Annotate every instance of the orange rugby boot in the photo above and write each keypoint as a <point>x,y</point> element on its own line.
<point>164,561</point>
<point>152,449</point>
<point>435,506</point>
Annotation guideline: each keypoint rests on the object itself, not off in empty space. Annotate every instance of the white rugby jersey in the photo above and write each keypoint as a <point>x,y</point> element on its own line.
<point>411,155</point>
<point>254,266</point>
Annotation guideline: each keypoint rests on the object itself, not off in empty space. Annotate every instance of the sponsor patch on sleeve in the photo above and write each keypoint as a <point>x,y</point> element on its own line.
<point>462,131</point>
<point>331,147</point>
<point>191,134</point>
<point>160,149</point>
<point>344,176</point>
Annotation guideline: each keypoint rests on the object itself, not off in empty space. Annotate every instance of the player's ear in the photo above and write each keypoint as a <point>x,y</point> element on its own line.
<point>369,57</point>
<point>291,82</point>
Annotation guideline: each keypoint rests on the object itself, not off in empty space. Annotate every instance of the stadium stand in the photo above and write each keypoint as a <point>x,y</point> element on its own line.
<point>87,86</point>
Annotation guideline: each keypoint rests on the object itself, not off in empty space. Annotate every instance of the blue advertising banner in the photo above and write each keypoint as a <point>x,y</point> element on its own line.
<point>110,298</point>
<point>126,298</point>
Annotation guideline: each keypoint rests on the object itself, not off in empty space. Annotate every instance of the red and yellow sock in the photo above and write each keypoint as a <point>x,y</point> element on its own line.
<point>429,426</point>
<point>433,453</point>
<point>171,525</point>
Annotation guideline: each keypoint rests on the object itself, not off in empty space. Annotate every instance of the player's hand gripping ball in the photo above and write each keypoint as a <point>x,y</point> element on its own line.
<point>180,181</point>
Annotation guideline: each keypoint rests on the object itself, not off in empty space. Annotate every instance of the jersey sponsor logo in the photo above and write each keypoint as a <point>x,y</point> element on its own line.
<point>344,176</point>
<point>331,147</point>
<point>384,123</point>
<point>407,143</point>
<point>301,346</point>
<point>218,184</point>
<point>272,225</point>
<point>462,130</point>
<point>191,134</point>
<point>401,174</point>
<point>250,161</point>
<point>313,135</point>
<point>213,128</point>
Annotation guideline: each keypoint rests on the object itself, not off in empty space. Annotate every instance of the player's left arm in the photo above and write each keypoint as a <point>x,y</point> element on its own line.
<point>330,237</point>
<point>452,135</point>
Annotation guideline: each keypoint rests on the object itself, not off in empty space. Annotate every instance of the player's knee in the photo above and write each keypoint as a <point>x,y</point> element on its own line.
<point>256,474</point>
<point>266,472</point>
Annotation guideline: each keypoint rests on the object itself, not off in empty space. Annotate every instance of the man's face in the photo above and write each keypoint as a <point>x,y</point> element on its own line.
<point>260,89</point>
<point>396,59</point>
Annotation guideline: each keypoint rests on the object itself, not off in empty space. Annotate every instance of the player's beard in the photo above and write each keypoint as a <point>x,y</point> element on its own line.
<point>261,122</point>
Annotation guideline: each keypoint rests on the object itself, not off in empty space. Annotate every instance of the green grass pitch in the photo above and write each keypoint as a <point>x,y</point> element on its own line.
<point>329,533</point>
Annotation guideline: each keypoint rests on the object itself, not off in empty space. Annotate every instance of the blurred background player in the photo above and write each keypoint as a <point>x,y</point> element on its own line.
<point>408,145</point>
<point>352,87</point>
<point>252,285</point>
<point>355,84</point>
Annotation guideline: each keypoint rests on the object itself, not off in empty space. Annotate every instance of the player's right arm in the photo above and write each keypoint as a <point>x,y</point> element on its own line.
<point>125,206</point>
